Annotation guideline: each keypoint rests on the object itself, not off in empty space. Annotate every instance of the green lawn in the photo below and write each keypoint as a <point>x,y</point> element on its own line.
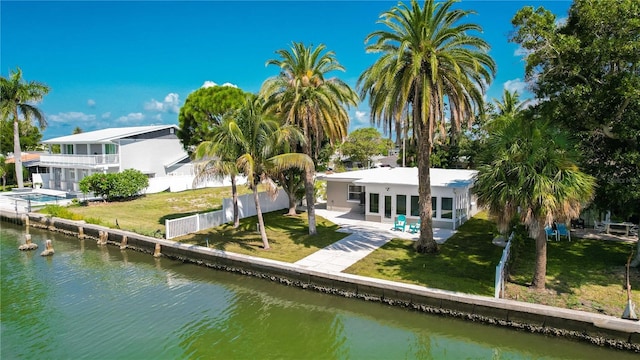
<point>466,261</point>
<point>288,237</point>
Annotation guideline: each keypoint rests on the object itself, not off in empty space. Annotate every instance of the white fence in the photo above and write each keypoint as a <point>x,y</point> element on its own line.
<point>246,208</point>
<point>501,269</point>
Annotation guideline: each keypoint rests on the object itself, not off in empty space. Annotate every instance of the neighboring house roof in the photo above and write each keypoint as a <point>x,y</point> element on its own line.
<point>106,136</point>
<point>26,157</point>
<point>404,176</point>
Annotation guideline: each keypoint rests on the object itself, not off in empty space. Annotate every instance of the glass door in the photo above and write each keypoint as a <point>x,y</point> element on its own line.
<point>387,207</point>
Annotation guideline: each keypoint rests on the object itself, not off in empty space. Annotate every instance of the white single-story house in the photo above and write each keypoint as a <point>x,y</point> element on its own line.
<point>384,193</point>
<point>154,150</point>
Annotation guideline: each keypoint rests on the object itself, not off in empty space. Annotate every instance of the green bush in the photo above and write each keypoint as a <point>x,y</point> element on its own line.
<point>60,212</point>
<point>115,186</point>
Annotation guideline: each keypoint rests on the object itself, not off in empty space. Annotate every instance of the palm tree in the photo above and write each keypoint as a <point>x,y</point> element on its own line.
<point>428,60</point>
<point>259,138</point>
<point>17,98</point>
<point>304,97</point>
<point>510,104</point>
<point>218,160</point>
<point>3,172</point>
<point>533,176</point>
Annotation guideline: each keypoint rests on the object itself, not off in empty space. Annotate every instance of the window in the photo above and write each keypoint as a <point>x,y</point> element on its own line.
<point>68,149</point>
<point>401,204</point>
<point>434,207</point>
<point>374,203</point>
<point>387,207</point>
<point>415,206</point>
<point>354,193</point>
<point>72,174</point>
<point>447,208</point>
<point>110,148</point>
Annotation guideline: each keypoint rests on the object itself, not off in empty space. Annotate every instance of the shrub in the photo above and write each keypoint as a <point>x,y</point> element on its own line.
<point>115,186</point>
<point>60,212</point>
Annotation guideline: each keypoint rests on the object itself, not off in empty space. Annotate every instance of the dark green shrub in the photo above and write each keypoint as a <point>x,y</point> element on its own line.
<point>115,186</point>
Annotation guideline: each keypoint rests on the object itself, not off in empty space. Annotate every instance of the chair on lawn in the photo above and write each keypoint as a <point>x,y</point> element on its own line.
<point>563,231</point>
<point>415,227</point>
<point>401,223</point>
<point>550,232</point>
<point>599,226</point>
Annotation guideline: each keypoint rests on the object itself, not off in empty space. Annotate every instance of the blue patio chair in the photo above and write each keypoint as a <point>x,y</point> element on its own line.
<point>401,223</point>
<point>563,231</point>
<point>415,227</point>
<point>550,232</point>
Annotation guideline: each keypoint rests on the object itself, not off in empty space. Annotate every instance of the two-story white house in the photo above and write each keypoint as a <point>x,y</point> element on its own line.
<point>154,150</point>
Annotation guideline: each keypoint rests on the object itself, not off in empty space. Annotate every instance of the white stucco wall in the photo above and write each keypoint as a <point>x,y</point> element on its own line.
<point>149,155</point>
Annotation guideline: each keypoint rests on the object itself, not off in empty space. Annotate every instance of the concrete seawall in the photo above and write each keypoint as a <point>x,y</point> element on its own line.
<point>578,325</point>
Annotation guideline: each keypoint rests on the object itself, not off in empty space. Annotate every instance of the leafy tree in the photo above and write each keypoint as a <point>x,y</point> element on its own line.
<point>115,186</point>
<point>76,130</point>
<point>203,110</point>
<point>428,58</point>
<point>259,138</point>
<point>17,98</point>
<point>362,144</point>
<point>30,136</point>
<point>585,73</point>
<point>303,96</point>
<point>534,176</point>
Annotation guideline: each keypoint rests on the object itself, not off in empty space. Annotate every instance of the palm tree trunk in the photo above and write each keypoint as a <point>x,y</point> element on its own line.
<point>234,196</point>
<point>309,194</point>
<point>17,155</point>
<point>292,203</point>
<point>263,233</point>
<point>426,243</point>
<point>540,273</point>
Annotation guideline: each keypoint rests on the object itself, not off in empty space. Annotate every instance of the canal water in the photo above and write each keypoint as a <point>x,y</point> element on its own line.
<point>91,302</point>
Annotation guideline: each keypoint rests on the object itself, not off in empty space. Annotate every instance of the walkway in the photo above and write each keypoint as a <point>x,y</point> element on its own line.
<point>366,236</point>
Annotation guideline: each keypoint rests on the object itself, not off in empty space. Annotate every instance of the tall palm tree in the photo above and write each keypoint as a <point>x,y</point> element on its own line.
<point>259,138</point>
<point>428,60</point>
<point>533,176</point>
<point>510,103</point>
<point>304,97</point>
<point>17,97</point>
<point>216,160</point>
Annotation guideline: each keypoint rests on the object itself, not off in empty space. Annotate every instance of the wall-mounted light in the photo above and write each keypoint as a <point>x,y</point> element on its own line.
<point>388,188</point>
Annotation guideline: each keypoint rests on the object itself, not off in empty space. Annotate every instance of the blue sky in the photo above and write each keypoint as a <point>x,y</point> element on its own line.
<point>129,63</point>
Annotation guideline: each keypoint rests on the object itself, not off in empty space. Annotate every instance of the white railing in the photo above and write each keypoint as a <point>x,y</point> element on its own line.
<point>501,269</point>
<point>84,160</point>
<point>246,208</point>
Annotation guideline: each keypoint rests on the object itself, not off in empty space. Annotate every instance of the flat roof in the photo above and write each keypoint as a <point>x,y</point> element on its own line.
<point>404,176</point>
<point>106,135</point>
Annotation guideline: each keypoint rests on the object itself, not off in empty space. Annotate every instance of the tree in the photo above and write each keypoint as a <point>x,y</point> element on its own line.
<point>362,144</point>
<point>304,97</point>
<point>203,110</point>
<point>534,176</point>
<point>17,98</point>
<point>77,130</point>
<point>3,172</point>
<point>428,59</point>
<point>30,136</point>
<point>218,159</point>
<point>259,138</point>
<point>115,186</point>
<point>585,72</point>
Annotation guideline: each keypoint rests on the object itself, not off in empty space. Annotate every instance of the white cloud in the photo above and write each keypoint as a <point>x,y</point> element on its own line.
<point>561,21</point>
<point>91,103</point>
<point>170,104</point>
<point>522,52</point>
<point>72,116</point>
<point>209,83</point>
<point>106,115</point>
<point>131,119</point>
<point>361,116</point>
<point>515,85</point>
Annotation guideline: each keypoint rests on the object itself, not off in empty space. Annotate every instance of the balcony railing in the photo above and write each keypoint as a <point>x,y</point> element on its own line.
<point>79,160</point>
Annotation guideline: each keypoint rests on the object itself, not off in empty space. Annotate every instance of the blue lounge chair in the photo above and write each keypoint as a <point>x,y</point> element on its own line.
<point>415,227</point>
<point>401,223</point>
<point>550,232</point>
<point>563,231</point>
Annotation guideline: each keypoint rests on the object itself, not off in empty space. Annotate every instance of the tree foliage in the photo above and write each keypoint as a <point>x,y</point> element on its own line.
<point>362,144</point>
<point>585,73</point>
<point>115,186</point>
<point>30,136</point>
<point>203,110</point>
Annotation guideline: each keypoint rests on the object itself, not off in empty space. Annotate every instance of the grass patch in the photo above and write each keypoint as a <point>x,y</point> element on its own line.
<point>583,274</point>
<point>466,261</point>
<point>288,237</point>
<point>146,215</point>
